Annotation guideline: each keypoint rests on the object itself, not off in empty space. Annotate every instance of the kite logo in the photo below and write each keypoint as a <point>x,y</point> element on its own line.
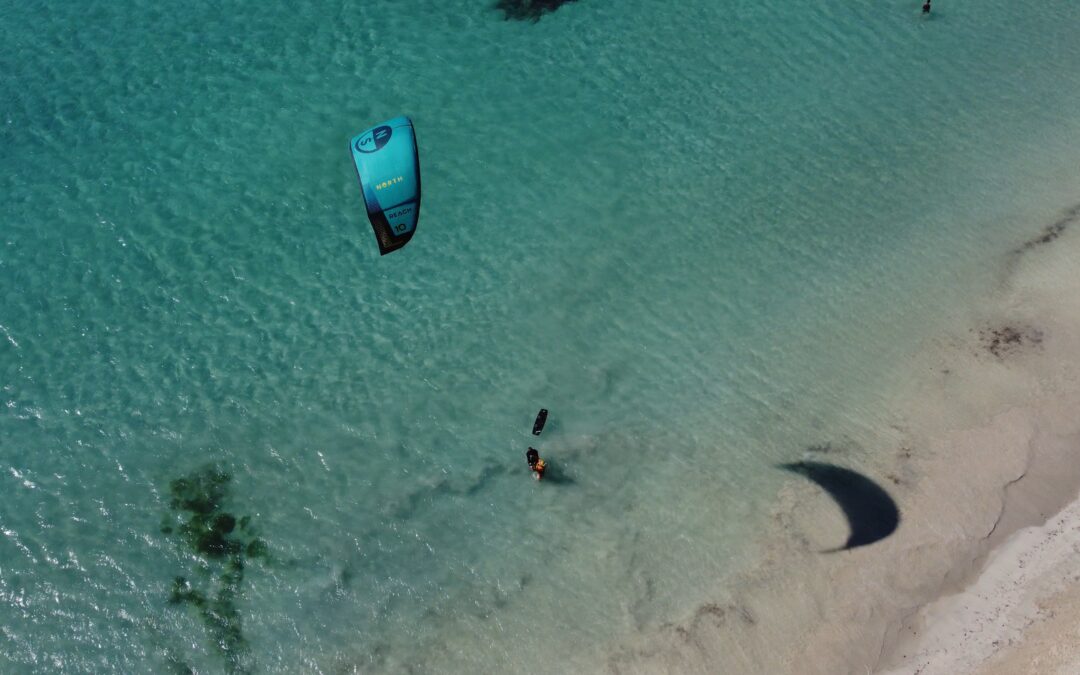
<point>388,183</point>
<point>374,140</point>
<point>398,214</point>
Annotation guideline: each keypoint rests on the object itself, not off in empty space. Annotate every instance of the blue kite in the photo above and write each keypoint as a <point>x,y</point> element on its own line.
<point>388,167</point>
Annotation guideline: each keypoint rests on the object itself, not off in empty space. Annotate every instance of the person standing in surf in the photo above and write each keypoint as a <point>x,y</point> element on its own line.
<point>536,465</point>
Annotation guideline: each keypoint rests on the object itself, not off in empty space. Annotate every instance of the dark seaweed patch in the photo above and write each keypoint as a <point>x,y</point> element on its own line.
<point>256,548</point>
<point>176,664</point>
<point>201,523</point>
<point>528,10</point>
<point>406,506</point>
<point>1006,340</point>
<point>1053,230</point>
<point>712,609</point>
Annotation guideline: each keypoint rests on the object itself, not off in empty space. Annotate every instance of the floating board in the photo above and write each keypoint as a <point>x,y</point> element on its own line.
<point>541,419</point>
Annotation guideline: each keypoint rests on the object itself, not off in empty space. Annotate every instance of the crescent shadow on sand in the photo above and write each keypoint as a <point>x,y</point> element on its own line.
<point>871,513</point>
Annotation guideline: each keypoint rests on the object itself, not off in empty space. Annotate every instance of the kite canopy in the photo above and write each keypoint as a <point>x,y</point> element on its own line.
<point>388,166</point>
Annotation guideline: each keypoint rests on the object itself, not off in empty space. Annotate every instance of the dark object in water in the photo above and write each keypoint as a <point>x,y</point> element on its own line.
<point>871,513</point>
<point>223,543</point>
<point>536,465</point>
<point>541,420</point>
<point>1054,230</point>
<point>926,7</point>
<point>1007,340</point>
<point>528,10</point>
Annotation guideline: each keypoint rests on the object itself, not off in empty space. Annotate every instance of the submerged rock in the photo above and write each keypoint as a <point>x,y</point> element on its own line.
<point>528,10</point>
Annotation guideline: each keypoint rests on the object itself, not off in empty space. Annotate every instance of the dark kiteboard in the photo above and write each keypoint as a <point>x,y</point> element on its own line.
<point>541,420</point>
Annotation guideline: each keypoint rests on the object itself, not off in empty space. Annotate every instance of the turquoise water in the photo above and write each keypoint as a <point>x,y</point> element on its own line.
<point>697,234</point>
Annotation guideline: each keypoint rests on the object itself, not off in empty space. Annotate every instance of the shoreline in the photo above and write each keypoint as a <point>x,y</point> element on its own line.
<point>988,619</point>
<point>1020,615</point>
<point>1017,609</point>
<point>982,458</point>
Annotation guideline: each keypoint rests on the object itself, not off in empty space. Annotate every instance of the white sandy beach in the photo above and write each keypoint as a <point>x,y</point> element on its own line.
<point>1021,615</point>
<point>981,575</point>
<point>1019,611</point>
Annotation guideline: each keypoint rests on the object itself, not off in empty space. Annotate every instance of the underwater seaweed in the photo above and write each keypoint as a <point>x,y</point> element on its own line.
<point>528,10</point>
<point>224,543</point>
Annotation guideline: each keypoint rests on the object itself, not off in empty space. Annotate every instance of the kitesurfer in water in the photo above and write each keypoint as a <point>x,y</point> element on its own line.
<point>536,465</point>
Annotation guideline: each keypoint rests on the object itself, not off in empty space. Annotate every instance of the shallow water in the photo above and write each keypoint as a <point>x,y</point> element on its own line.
<point>699,237</point>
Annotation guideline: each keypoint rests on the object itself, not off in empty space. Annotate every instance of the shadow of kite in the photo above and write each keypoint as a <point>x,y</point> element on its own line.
<point>871,513</point>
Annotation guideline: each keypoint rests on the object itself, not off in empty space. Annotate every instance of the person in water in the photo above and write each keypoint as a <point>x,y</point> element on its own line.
<point>536,465</point>
<point>926,7</point>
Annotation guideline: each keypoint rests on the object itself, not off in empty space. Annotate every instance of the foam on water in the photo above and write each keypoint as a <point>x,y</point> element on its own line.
<point>698,237</point>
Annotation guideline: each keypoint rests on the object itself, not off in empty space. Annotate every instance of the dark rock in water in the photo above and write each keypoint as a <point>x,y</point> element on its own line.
<point>528,10</point>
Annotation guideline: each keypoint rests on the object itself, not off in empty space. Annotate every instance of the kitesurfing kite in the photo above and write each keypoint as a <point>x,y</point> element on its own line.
<point>388,166</point>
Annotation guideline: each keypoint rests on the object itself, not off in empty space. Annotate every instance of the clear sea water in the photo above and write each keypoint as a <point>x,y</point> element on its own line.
<point>697,232</point>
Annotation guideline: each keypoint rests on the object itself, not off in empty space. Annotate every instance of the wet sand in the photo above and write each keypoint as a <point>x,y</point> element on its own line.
<point>981,574</point>
<point>1021,615</point>
<point>1018,610</point>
